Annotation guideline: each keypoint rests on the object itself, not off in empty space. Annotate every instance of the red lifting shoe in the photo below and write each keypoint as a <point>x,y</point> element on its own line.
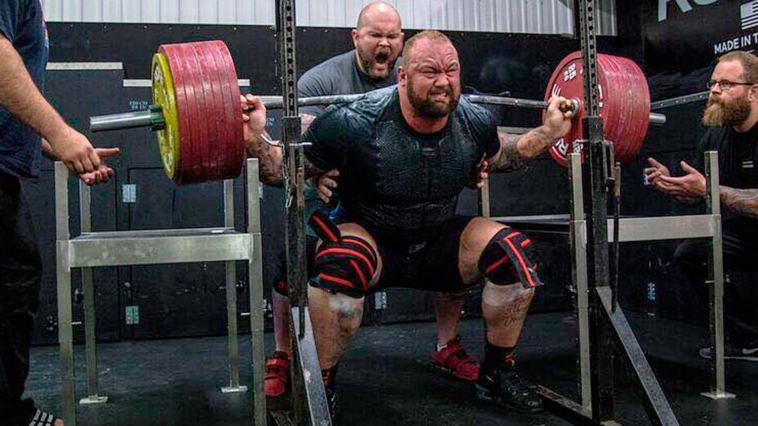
<point>276,381</point>
<point>454,360</point>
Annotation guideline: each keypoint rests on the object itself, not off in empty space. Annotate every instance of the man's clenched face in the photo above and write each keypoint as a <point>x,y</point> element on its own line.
<point>434,78</point>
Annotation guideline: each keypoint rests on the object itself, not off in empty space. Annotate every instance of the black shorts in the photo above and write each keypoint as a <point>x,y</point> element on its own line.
<point>427,265</point>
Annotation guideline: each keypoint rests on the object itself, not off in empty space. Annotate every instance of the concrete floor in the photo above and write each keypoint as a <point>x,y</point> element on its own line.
<point>386,378</point>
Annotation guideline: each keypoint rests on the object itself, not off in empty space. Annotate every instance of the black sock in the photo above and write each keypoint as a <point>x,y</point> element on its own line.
<point>497,356</point>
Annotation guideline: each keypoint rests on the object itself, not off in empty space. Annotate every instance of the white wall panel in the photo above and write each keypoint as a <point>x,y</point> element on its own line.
<point>351,11</point>
<point>131,11</point>
<point>207,12</point>
<point>150,11</point>
<point>318,13</point>
<point>168,10</point>
<point>92,10</point>
<point>264,14</point>
<point>188,12</point>
<point>227,12</point>
<point>52,9</point>
<point>72,10</point>
<point>245,12</point>
<point>421,14</point>
<point>516,16</point>
<point>405,8</point>
<point>111,11</point>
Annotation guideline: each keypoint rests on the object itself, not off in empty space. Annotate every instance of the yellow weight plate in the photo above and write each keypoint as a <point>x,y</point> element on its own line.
<point>164,96</point>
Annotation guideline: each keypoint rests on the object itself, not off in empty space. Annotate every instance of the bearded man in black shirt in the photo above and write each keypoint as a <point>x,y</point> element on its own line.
<point>731,115</point>
<point>404,154</point>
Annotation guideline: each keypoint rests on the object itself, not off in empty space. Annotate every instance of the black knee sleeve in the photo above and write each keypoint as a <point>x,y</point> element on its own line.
<point>344,264</point>
<point>506,259</point>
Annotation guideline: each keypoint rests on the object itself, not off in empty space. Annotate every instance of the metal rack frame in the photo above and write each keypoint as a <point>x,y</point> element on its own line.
<point>630,230</point>
<point>118,248</point>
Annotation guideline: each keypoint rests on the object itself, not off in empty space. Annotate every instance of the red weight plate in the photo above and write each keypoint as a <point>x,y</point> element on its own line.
<point>212,96</point>
<point>197,99</point>
<point>235,143</point>
<point>567,81</point>
<point>227,115</point>
<point>221,150</point>
<point>624,103</point>
<point>615,108</point>
<point>225,107</point>
<point>642,102</point>
<point>622,110</point>
<point>631,111</point>
<point>233,160</point>
<point>185,110</point>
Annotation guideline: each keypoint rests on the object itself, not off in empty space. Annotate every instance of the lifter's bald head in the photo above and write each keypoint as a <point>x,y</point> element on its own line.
<point>378,10</point>
<point>378,40</point>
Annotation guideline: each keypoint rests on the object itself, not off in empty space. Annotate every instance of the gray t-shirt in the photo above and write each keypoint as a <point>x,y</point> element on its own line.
<point>339,76</point>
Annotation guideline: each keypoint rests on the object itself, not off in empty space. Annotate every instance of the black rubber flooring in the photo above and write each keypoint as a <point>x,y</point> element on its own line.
<point>386,378</point>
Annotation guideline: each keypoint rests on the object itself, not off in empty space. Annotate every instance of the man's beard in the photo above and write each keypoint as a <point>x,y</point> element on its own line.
<point>427,107</point>
<point>369,60</point>
<point>731,113</point>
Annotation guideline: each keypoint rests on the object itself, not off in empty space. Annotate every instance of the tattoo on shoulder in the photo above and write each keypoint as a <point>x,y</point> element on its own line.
<point>510,158</point>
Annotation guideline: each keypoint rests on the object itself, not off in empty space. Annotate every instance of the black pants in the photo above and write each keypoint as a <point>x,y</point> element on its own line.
<point>20,275</point>
<point>740,250</point>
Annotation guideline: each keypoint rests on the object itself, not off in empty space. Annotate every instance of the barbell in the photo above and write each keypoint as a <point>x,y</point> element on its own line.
<point>197,117</point>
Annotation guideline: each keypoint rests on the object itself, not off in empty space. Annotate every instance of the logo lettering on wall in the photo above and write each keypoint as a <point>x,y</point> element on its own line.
<point>682,6</point>
<point>748,19</point>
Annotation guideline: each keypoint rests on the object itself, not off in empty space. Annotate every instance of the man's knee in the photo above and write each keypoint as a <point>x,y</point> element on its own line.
<point>347,311</point>
<point>345,266</point>
<point>501,295</point>
<point>508,258</point>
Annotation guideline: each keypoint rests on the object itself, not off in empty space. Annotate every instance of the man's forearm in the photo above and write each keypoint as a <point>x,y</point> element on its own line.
<point>269,158</point>
<point>516,150</point>
<point>20,96</point>
<point>47,150</point>
<point>741,201</point>
<point>270,161</point>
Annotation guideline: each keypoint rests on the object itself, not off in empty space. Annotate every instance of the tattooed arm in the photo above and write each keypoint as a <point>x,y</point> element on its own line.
<point>691,189</point>
<point>741,201</point>
<point>515,150</point>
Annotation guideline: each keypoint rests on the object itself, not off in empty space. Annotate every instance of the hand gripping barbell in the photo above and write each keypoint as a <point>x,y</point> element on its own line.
<point>196,111</point>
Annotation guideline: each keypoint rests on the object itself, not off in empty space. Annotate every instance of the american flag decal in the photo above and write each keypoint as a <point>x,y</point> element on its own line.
<point>749,14</point>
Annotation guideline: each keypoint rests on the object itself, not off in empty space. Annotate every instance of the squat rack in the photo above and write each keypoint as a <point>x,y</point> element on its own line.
<point>601,323</point>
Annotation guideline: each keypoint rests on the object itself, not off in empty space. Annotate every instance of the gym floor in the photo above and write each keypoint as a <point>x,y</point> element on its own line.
<point>386,378</point>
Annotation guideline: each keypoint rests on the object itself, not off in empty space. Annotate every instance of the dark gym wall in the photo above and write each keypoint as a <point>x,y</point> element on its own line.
<point>184,300</point>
